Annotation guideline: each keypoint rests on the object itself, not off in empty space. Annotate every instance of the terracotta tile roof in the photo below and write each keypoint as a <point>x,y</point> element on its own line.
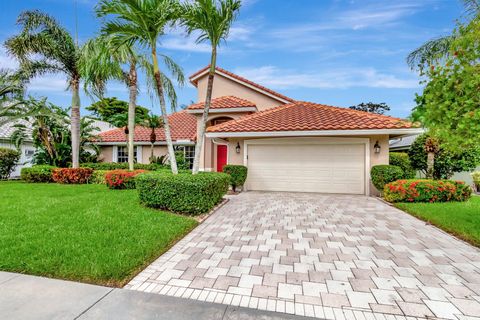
<point>239,78</point>
<point>225,102</point>
<point>307,116</point>
<point>183,126</point>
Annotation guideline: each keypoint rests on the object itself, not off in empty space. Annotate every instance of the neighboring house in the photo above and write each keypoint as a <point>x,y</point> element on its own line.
<point>26,148</point>
<point>287,145</point>
<point>402,144</point>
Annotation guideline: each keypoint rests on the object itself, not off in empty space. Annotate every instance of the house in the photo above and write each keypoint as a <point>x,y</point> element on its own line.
<point>26,148</point>
<point>287,145</point>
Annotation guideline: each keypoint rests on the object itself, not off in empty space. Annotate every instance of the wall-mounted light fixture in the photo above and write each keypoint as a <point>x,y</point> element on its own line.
<point>376,147</point>
<point>237,148</point>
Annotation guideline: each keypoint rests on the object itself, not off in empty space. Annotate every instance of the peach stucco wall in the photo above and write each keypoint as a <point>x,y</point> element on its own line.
<point>106,153</point>
<point>225,87</point>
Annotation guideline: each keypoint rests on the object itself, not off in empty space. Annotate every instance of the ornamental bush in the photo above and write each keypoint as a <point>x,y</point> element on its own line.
<point>98,177</point>
<point>40,173</point>
<point>402,160</point>
<point>422,190</point>
<point>184,192</point>
<point>72,175</point>
<point>121,179</point>
<point>383,174</point>
<point>8,161</point>
<point>238,175</point>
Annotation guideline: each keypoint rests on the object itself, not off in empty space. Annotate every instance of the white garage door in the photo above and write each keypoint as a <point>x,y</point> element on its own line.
<point>302,167</point>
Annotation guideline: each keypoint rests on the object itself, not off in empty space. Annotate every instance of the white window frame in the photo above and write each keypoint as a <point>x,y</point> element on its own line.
<point>115,153</point>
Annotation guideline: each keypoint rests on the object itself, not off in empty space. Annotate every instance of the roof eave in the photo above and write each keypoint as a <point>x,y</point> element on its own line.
<point>223,110</point>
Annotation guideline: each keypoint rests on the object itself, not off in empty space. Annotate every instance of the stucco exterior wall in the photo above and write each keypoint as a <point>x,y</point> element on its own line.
<point>106,153</point>
<point>225,87</point>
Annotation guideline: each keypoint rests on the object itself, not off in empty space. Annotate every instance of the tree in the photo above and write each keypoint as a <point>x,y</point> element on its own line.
<point>153,122</point>
<point>212,19</point>
<point>142,22</point>
<point>448,106</point>
<point>446,162</point>
<point>106,108</point>
<point>438,49</point>
<point>12,87</point>
<point>44,46</point>
<point>378,108</point>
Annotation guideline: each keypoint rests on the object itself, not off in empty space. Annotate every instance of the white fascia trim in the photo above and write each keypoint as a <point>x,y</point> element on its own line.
<point>312,133</point>
<point>224,110</point>
<point>145,143</point>
<point>241,82</point>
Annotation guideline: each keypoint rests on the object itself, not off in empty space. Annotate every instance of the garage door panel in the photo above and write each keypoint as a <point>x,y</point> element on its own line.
<point>323,168</point>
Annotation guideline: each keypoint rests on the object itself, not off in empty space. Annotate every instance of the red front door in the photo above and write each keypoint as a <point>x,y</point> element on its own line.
<point>221,157</point>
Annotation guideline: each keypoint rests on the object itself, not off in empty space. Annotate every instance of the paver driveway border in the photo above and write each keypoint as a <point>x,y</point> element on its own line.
<point>325,256</point>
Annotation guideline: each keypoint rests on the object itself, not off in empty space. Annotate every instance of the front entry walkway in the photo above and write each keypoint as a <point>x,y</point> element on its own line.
<point>328,256</point>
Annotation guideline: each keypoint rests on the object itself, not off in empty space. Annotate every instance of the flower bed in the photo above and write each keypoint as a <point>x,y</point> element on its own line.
<point>121,179</point>
<point>421,190</point>
<point>72,175</point>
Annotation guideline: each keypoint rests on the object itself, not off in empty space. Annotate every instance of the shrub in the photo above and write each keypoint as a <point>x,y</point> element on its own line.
<point>238,175</point>
<point>182,163</point>
<point>124,166</point>
<point>98,177</point>
<point>476,179</point>
<point>383,174</point>
<point>422,190</point>
<point>121,179</point>
<point>72,175</point>
<point>40,173</point>
<point>184,193</point>
<point>8,161</point>
<point>401,159</point>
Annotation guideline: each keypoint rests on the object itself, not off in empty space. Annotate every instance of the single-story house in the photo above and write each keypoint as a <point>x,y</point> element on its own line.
<point>287,145</point>
<point>26,148</point>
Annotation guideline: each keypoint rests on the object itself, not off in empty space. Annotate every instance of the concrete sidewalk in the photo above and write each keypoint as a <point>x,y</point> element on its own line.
<point>29,297</point>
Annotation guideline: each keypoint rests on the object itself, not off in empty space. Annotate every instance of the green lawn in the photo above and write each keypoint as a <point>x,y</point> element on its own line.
<point>85,233</point>
<point>459,218</point>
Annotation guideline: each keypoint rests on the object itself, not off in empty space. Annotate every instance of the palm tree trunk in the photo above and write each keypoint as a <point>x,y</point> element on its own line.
<point>75,123</point>
<point>203,123</point>
<point>430,164</point>
<point>132,77</point>
<point>163,108</point>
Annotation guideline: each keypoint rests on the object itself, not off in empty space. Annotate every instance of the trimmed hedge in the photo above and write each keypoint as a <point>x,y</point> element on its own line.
<point>422,190</point>
<point>121,179</point>
<point>183,193</point>
<point>72,175</point>
<point>8,161</point>
<point>402,160</point>
<point>238,175</point>
<point>98,177</point>
<point>383,174</point>
<point>123,165</point>
<point>39,173</point>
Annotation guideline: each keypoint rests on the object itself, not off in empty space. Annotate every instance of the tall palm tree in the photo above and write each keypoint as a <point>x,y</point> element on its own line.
<point>102,61</point>
<point>44,46</point>
<point>212,19</point>
<point>438,48</point>
<point>12,87</point>
<point>153,122</point>
<point>142,22</point>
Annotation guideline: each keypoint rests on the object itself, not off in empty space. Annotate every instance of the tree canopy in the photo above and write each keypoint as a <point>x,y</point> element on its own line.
<point>111,109</point>
<point>378,108</point>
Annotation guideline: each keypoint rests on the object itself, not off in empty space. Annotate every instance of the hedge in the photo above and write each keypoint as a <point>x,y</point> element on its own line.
<point>237,173</point>
<point>383,174</point>
<point>39,173</point>
<point>402,160</point>
<point>98,177</point>
<point>72,175</point>
<point>124,166</point>
<point>183,193</point>
<point>121,179</point>
<point>8,161</point>
<point>422,190</point>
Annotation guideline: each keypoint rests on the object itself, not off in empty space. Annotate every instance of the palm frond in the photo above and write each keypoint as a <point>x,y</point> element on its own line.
<point>472,7</point>
<point>430,52</point>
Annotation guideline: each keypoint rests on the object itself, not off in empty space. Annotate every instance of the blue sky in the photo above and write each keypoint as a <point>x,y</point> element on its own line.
<point>338,52</point>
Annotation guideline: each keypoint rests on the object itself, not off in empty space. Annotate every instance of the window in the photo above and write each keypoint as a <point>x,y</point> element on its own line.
<point>220,120</point>
<point>122,154</point>
<point>188,153</point>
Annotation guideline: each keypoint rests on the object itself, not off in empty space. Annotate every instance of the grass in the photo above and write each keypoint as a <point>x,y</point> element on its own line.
<point>461,219</point>
<point>85,233</point>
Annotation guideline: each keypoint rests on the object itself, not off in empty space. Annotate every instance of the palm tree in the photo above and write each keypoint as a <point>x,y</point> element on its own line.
<point>438,48</point>
<point>432,146</point>
<point>153,122</point>
<point>44,46</point>
<point>213,20</point>
<point>12,87</point>
<point>102,61</point>
<point>142,22</point>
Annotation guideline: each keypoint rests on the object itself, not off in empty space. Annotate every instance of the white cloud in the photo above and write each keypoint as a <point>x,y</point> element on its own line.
<point>274,77</point>
<point>48,83</point>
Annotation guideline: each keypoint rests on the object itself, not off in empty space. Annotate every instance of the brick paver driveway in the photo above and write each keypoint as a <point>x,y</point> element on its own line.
<point>329,256</point>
